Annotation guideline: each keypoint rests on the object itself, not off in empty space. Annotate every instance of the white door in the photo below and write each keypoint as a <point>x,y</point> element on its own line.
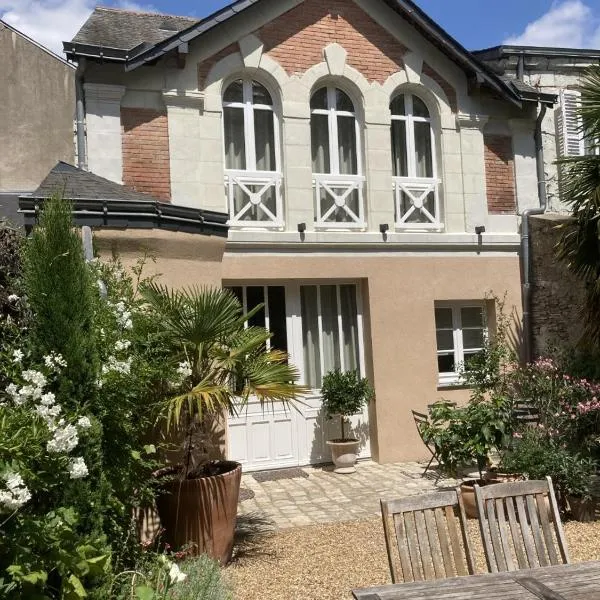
<point>320,326</point>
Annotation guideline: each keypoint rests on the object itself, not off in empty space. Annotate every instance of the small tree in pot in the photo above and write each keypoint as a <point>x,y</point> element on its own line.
<point>223,363</point>
<point>344,394</point>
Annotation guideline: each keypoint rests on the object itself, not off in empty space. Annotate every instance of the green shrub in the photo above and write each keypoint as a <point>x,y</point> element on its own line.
<point>344,394</point>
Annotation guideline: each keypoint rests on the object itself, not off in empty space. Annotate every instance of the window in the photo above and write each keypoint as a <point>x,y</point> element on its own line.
<point>273,314</point>
<point>571,136</point>
<point>461,333</point>
<point>336,159</point>
<point>330,330</point>
<point>413,159</point>
<point>320,326</point>
<point>251,132</point>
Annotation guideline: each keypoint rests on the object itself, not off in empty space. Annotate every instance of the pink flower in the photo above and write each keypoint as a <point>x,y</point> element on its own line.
<point>517,435</point>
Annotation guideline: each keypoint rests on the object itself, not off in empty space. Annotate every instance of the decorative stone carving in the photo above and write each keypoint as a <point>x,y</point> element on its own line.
<point>251,49</point>
<point>335,57</point>
<point>413,65</point>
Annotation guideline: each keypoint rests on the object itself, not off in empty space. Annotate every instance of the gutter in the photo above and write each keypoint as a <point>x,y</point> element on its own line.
<point>80,116</point>
<point>525,236</point>
<point>140,214</point>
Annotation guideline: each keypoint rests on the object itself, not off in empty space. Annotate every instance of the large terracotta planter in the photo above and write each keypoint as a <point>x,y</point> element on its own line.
<point>467,491</point>
<point>201,513</point>
<point>344,455</point>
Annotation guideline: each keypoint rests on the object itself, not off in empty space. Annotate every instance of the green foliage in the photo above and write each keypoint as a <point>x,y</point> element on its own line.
<point>538,454</point>
<point>344,394</point>
<point>222,362</point>
<point>579,247</point>
<point>467,434</point>
<point>62,296</point>
<point>204,581</point>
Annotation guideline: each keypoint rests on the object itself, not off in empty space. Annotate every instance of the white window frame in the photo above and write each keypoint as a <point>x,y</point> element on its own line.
<point>454,377</point>
<point>334,180</point>
<point>416,188</point>
<point>251,176</point>
<point>293,307</point>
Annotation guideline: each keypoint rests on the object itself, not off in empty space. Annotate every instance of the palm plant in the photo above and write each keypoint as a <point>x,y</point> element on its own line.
<point>227,361</point>
<point>579,245</point>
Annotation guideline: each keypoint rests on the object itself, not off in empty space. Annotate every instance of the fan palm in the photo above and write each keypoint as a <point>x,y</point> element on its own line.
<point>230,362</point>
<point>579,245</point>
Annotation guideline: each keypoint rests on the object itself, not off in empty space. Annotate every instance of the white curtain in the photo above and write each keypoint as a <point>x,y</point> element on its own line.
<point>310,336</point>
<point>329,323</point>
<point>423,153</point>
<point>349,326</point>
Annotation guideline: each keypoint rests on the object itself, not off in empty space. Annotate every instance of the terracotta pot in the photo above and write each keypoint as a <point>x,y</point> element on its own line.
<point>201,513</point>
<point>582,510</point>
<point>467,491</point>
<point>344,455</point>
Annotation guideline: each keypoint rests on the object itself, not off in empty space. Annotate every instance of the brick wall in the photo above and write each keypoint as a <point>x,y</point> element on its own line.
<point>297,38</point>
<point>145,138</point>
<point>556,294</point>
<point>500,174</point>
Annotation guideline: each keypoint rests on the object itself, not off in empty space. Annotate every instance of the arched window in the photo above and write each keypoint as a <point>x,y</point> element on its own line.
<point>414,165</point>
<point>336,158</point>
<point>252,154</point>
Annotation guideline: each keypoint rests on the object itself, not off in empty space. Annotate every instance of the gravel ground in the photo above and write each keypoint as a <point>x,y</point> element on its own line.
<point>325,562</point>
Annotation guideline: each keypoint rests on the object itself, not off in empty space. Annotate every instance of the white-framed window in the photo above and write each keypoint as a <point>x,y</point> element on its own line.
<point>252,154</point>
<point>336,159</point>
<point>319,325</point>
<point>414,164</point>
<point>461,331</point>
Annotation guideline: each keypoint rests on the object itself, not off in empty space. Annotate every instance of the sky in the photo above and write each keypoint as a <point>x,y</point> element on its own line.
<point>474,23</point>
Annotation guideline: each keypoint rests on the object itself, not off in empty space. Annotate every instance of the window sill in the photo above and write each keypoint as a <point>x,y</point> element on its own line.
<point>455,384</point>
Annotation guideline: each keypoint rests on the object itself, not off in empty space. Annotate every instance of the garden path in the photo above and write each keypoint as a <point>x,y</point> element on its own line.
<point>318,495</point>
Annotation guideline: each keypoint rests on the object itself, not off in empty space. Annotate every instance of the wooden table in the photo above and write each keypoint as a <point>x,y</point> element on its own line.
<point>579,581</point>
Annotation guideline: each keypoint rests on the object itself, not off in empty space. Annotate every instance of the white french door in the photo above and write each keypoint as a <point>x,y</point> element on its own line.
<point>320,325</point>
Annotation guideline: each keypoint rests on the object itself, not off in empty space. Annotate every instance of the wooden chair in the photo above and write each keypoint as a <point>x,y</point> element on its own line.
<point>421,419</point>
<point>425,531</point>
<point>520,525</point>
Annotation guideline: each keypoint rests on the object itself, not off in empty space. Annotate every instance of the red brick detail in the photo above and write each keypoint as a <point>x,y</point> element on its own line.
<point>145,140</point>
<point>297,38</point>
<point>500,174</point>
<point>448,89</point>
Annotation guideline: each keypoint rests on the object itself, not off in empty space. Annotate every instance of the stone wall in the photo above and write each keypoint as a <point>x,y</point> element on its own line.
<point>557,295</point>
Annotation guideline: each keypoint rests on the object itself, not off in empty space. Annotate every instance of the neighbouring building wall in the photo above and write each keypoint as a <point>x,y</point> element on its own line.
<point>556,295</point>
<point>500,174</point>
<point>37,105</point>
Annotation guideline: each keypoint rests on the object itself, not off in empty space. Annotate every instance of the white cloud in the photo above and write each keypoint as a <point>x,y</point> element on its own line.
<point>50,22</point>
<point>568,24</point>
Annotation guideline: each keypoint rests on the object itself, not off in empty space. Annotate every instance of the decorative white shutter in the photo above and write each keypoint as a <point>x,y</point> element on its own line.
<point>569,125</point>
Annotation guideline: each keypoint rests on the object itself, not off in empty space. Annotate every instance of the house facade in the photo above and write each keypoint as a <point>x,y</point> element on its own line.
<point>37,106</point>
<point>373,172</point>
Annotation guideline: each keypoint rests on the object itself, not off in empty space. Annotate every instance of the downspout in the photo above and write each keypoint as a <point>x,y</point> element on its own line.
<point>525,254</point>
<point>80,116</point>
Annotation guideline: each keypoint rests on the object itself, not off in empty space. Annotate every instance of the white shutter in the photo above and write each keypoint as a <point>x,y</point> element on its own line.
<point>569,125</point>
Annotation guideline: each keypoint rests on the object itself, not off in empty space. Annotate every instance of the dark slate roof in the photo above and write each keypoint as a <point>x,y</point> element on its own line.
<point>74,183</point>
<point>98,202</point>
<point>529,92</point>
<point>124,29</point>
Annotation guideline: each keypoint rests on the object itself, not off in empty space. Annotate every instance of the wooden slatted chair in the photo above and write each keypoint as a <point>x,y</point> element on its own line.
<point>520,525</point>
<point>428,534</point>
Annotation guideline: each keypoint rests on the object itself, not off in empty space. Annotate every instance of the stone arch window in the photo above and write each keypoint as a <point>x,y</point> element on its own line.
<point>414,163</point>
<point>252,155</point>
<point>336,159</point>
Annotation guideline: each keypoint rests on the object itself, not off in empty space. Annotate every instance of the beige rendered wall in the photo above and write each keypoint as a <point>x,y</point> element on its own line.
<point>180,259</point>
<point>37,106</point>
<point>400,292</point>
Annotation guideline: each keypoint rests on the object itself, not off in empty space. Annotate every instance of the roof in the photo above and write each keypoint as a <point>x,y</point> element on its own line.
<point>121,24</point>
<point>125,30</point>
<point>32,41</point>
<point>496,52</point>
<point>99,202</point>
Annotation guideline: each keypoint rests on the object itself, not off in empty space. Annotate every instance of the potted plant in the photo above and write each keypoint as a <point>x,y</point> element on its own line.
<point>344,394</point>
<point>223,363</point>
<point>538,454</point>
<point>465,435</point>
